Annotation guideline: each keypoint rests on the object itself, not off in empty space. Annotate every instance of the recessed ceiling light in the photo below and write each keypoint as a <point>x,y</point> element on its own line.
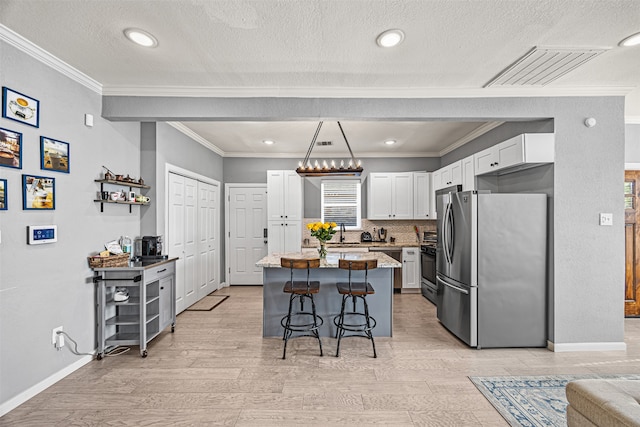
<point>268,142</point>
<point>632,40</point>
<point>140,37</point>
<point>390,141</point>
<point>390,38</point>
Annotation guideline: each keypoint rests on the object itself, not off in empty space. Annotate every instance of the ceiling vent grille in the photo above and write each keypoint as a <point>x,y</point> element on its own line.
<point>323,143</point>
<point>541,66</point>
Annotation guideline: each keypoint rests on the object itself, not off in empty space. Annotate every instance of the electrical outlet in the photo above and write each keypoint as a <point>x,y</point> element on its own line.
<point>57,339</point>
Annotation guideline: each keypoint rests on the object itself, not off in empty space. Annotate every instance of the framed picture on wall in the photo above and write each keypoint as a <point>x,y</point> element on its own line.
<point>10,149</point>
<point>20,107</point>
<point>54,155</point>
<point>38,192</point>
<point>3,195</point>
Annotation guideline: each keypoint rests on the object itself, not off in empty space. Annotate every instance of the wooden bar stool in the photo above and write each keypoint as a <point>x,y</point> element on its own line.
<point>303,323</point>
<point>357,323</point>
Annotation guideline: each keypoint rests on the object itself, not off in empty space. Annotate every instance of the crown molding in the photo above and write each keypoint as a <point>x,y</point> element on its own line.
<point>197,138</point>
<point>328,156</point>
<point>362,92</point>
<point>16,40</point>
<point>481,130</point>
<point>632,120</point>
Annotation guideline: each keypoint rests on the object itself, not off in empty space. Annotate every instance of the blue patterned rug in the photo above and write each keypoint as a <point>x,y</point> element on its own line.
<point>532,401</point>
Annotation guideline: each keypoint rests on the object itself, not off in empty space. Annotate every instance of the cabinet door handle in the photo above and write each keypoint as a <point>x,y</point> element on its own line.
<point>160,271</point>
<point>161,287</point>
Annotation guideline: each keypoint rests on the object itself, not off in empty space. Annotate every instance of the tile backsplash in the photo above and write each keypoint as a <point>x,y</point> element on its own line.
<point>402,230</point>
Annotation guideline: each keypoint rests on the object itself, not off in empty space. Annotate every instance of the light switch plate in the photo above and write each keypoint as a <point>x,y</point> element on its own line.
<point>606,219</point>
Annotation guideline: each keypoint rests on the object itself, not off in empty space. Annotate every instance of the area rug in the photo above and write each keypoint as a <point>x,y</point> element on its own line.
<point>532,401</point>
<point>208,303</point>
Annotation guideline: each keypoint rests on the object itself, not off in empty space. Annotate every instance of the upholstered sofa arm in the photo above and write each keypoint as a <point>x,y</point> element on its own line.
<point>603,403</point>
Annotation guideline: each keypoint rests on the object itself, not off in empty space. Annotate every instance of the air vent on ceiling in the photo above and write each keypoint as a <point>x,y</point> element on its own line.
<point>323,143</point>
<point>540,66</point>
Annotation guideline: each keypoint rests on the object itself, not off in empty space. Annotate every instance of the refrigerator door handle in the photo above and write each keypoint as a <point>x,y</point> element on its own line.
<point>461,290</point>
<point>451,237</point>
<point>445,228</point>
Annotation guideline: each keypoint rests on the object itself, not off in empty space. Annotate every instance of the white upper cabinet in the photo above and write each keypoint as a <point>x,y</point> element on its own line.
<point>448,176</point>
<point>284,195</point>
<point>390,196</point>
<point>423,208</point>
<point>468,174</point>
<point>284,210</point>
<point>520,152</point>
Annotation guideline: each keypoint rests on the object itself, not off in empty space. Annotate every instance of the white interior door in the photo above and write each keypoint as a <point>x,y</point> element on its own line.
<point>247,244</point>
<point>208,238</point>
<point>190,241</point>
<point>176,234</point>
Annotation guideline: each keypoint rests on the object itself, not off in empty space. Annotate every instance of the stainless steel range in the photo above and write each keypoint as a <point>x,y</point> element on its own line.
<point>428,269</point>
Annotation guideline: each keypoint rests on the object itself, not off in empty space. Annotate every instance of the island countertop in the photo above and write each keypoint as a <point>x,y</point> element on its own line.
<point>384,260</point>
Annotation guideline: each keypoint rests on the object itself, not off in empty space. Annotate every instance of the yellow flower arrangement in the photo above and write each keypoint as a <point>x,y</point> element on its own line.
<point>322,231</point>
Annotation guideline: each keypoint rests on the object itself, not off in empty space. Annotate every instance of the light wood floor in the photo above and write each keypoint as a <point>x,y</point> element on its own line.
<point>216,369</point>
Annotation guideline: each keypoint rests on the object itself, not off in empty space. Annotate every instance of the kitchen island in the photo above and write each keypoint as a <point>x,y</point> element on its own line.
<point>328,300</point>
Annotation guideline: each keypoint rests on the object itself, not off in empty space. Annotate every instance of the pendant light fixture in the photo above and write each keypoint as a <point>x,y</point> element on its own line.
<point>305,168</point>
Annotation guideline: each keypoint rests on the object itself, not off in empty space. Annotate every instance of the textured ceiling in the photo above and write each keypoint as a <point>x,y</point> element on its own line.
<point>327,48</point>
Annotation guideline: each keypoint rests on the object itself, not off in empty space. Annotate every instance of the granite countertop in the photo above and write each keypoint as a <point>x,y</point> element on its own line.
<point>396,244</point>
<point>384,261</point>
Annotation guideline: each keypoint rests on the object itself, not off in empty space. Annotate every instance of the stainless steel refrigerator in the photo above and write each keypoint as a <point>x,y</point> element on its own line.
<point>491,267</point>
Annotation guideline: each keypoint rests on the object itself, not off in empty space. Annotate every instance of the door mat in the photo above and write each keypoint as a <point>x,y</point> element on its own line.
<point>208,303</point>
<point>533,401</point>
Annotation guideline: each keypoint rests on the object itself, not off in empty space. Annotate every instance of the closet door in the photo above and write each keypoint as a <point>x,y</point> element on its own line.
<point>208,238</point>
<point>176,237</point>
<point>190,241</point>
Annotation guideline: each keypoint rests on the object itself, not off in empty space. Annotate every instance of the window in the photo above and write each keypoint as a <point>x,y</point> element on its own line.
<point>340,203</point>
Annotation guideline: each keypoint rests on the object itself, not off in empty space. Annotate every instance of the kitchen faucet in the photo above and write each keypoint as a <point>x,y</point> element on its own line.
<point>342,229</point>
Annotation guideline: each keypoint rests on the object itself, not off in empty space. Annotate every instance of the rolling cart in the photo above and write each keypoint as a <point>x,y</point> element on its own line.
<point>150,308</point>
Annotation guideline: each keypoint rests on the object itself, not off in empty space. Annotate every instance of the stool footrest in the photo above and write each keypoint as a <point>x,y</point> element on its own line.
<point>302,327</point>
<point>355,327</point>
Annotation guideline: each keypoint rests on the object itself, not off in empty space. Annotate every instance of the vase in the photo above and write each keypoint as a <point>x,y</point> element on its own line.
<point>323,250</point>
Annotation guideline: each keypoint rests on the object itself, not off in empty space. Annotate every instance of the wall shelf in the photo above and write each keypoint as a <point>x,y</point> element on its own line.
<point>128,184</point>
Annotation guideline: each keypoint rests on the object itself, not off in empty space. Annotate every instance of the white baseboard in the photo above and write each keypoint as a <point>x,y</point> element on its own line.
<point>586,346</point>
<point>18,400</point>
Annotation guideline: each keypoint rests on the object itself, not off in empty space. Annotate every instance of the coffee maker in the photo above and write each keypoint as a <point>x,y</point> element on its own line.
<point>149,247</point>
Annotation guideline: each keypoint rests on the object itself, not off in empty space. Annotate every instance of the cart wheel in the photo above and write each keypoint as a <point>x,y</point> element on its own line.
<point>99,356</point>
<point>173,328</point>
<point>143,353</point>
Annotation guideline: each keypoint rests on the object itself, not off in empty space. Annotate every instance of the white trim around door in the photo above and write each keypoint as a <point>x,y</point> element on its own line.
<point>253,241</point>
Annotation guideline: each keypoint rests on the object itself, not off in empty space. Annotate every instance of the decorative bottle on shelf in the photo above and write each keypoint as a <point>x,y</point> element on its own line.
<point>125,243</point>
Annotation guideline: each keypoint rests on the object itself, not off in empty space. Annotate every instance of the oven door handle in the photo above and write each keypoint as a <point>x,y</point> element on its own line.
<point>459,289</point>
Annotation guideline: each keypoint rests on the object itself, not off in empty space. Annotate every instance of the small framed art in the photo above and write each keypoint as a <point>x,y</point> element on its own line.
<point>3,195</point>
<point>54,155</point>
<point>20,107</point>
<point>38,192</point>
<point>10,149</point>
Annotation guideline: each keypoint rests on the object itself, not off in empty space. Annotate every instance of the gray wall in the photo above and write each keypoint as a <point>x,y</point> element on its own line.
<point>254,170</point>
<point>632,143</point>
<point>592,273</point>
<point>162,144</point>
<point>501,133</point>
<point>46,286</point>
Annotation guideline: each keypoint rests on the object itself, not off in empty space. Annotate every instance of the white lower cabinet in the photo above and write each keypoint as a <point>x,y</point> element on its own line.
<point>411,268</point>
<point>284,236</point>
